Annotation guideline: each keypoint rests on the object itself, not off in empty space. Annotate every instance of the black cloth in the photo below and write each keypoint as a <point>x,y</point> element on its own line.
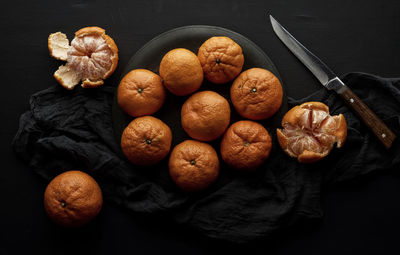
<point>67,130</point>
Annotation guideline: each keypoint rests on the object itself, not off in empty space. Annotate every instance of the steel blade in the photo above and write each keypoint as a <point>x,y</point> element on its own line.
<point>323,73</point>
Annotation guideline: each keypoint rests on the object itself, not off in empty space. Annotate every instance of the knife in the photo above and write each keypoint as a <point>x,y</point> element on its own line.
<point>332,82</point>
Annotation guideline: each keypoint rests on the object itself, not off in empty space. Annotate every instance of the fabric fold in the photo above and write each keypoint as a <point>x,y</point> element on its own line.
<point>67,130</point>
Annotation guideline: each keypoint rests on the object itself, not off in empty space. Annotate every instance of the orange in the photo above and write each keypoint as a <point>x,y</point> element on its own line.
<point>205,115</point>
<point>146,140</point>
<point>72,199</point>
<point>309,132</point>
<point>193,165</point>
<point>141,93</point>
<point>256,94</point>
<point>221,58</point>
<point>245,145</point>
<point>91,58</point>
<point>181,72</point>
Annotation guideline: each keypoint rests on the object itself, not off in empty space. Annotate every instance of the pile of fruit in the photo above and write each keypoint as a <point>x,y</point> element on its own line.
<point>309,132</point>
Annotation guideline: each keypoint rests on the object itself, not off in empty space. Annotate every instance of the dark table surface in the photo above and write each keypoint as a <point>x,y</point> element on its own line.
<point>361,216</point>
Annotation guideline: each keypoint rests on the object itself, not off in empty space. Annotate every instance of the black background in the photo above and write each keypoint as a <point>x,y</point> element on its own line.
<point>361,216</point>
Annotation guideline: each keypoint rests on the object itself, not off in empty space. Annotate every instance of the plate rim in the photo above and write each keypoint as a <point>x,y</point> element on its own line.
<point>147,44</point>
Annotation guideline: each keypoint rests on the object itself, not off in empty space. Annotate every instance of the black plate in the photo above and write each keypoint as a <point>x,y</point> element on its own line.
<point>191,37</point>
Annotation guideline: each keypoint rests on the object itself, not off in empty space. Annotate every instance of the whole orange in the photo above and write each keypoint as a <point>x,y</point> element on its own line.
<point>146,140</point>
<point>72,199</point>
<point>221,58</point>
<point>193,165</point>
<point>181,72</point>
<point>256,94</point>
<point>141,92</point>
<point>205,115</point>
<point>245,145</point>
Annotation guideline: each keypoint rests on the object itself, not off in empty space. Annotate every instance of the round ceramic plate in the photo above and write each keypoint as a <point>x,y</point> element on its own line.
<point>191,37</point>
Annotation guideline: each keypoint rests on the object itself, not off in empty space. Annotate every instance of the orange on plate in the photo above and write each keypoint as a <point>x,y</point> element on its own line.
<point>221,59</point>
<point>91,58</point>
<point>72,199</point>
<point>181,72</point>
<point>245,145</point>
<point>141,93</point>
<point>256,94</point>
<point>309,132</point>
<point>193,165</point>
<point>205,115</point>
<point>146,140</point>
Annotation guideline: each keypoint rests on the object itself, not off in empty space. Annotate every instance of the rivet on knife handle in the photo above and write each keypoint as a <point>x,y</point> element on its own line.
<point>376,125</point>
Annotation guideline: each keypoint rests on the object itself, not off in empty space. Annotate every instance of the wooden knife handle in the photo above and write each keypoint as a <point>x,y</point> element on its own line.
<point>373,122</point>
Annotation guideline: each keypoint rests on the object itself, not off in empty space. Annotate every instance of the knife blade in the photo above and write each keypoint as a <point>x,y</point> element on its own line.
<point>332,82</point>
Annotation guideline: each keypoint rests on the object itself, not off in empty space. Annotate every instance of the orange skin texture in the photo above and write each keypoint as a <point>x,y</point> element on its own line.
<point>141,92</point>
<point>181,72</point>
<point>256,94</point>
<point>221,58</point>
<point>245,145</point>
<point>146,141</point>
<point>205,115</point>
<point>72,199</point>
<point>193,165</point>
<point>89,31</point>
<point>305,122</point>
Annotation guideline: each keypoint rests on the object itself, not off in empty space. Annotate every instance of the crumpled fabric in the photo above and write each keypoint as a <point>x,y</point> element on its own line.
<point>67,130</point>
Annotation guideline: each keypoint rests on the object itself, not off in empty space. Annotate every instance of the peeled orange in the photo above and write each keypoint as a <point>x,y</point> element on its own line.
<point>91,57</point>
<point>309,132</point>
